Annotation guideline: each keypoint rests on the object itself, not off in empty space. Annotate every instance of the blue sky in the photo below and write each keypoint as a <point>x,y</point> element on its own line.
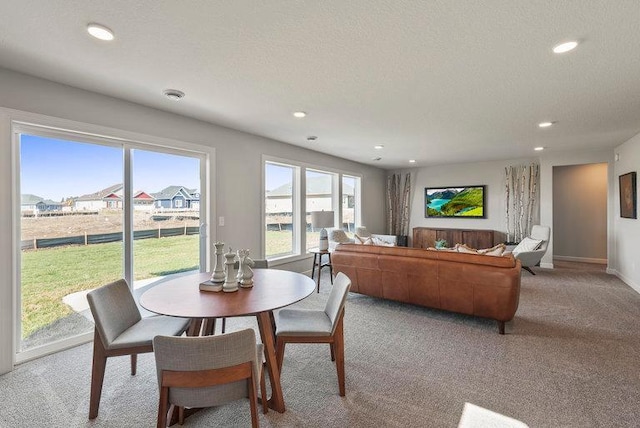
<point>53,169</point>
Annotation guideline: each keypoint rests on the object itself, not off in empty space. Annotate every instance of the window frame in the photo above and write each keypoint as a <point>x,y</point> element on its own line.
<point>299,191</point>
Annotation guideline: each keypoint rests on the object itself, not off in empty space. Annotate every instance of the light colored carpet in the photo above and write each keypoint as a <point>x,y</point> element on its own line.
<point>569,359</point>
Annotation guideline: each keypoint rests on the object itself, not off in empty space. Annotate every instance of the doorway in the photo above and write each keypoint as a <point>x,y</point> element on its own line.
<point>580,213</point>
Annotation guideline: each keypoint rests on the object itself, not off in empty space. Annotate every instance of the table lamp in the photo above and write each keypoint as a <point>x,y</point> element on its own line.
<point>322,219</point>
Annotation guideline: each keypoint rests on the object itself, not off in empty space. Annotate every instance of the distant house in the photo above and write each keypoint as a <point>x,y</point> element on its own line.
<point>319,196</point>
<point>33,203</point>
<point>177,197</point>
<point>143,201</point>
<point>112,198</point>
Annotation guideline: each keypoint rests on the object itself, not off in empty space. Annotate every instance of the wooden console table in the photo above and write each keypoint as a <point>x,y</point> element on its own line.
<point>424,237</point>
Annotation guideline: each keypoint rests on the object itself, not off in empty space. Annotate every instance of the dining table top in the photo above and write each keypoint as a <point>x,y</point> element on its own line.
<point>182,297</point>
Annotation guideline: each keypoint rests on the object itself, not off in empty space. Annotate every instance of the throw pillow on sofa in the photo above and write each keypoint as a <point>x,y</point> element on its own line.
<point>362,240</point>
<point>496,250</point>
<point>377,240</point>
<point>462,248</point>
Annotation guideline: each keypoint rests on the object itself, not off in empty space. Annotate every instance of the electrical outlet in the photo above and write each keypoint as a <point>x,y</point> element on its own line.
<point>220,221</point>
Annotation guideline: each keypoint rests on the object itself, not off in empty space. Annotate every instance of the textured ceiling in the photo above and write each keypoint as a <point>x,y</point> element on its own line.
<point>438,81</point>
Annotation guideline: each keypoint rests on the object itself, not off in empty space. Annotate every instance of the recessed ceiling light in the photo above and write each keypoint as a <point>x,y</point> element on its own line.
<point>539,149</point>
<point>174,94</point>
<point>378,147</point>
<point>299,114</point>
<point>412,161</point>
<point>545,124</point>
<point>312,138</point>
<point>100,31</point>
<point>565,47</point>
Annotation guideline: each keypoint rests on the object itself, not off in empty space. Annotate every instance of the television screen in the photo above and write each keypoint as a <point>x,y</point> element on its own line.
<point>466,202</point>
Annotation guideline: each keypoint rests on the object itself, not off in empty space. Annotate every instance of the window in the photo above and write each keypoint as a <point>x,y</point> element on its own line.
<point>292,187</point>
<point>350,203</point>
<point>320,196</point>
<point>278,207</point>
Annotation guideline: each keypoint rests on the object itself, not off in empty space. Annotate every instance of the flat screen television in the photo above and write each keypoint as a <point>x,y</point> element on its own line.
<point>455,202</point>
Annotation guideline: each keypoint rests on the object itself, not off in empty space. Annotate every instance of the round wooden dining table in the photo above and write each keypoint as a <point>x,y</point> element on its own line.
<point>272,289</point>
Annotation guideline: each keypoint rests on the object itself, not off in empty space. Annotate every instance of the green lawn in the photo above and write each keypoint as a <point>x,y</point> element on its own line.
<point>50,274</point>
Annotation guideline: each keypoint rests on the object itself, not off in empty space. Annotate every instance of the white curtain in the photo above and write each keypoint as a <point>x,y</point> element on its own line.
<point>521,199</point>
<point>398,195</point>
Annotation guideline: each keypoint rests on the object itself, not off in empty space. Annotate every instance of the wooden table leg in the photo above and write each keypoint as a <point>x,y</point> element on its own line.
<point>194,327</point>
<point>276,402</point>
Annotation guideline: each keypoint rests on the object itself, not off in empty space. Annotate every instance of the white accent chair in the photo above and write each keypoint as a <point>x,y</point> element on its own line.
<point>121,330</point>
<point>208,371</point>
<point>531,249</point>
<point>317,326</point>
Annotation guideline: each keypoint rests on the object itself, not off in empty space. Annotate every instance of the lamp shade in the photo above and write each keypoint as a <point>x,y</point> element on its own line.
<point>320,219</point>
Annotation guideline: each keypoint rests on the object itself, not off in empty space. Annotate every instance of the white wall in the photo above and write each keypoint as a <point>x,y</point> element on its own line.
<point>238,171</point>
<point>580,204</point>
<point>490,174</point>
<point>627,231</point>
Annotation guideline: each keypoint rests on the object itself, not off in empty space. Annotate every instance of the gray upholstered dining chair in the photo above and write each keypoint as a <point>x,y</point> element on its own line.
<point>207,371</point>
<point>121,330</point>
<point>317,326</point>
<point>258,264</point>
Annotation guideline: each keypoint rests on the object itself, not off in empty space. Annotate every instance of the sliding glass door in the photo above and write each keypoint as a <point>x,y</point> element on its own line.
<point>93,210</point>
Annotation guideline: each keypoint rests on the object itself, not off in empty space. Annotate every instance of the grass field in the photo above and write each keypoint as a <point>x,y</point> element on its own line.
<point>50,274</point>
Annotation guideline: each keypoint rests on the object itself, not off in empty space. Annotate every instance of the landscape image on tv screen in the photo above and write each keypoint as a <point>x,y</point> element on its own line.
<point>467,202</point>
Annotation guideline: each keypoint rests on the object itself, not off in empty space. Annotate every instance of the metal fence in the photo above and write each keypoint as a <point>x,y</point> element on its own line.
<point>102,238</point>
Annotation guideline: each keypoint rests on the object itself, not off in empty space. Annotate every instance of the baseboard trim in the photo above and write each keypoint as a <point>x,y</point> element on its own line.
<point>581,259</point>
<point>546,265</point>
<point>628,281</point>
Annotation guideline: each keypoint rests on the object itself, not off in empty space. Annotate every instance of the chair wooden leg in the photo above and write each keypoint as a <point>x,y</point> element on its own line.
<point>339,354</point>
<point>263,392</point>
<point>134,364</point>
<point>528,269</point>
<point>162,407</point>
<point>181,415</point>
<point>253,401</point>
<point>333,352</point>
<point>97,375</point>
<point>224,324</point>
<point>280,343</point>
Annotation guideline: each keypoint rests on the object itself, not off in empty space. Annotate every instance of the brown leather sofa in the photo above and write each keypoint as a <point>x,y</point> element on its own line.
<point>479,285</point>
